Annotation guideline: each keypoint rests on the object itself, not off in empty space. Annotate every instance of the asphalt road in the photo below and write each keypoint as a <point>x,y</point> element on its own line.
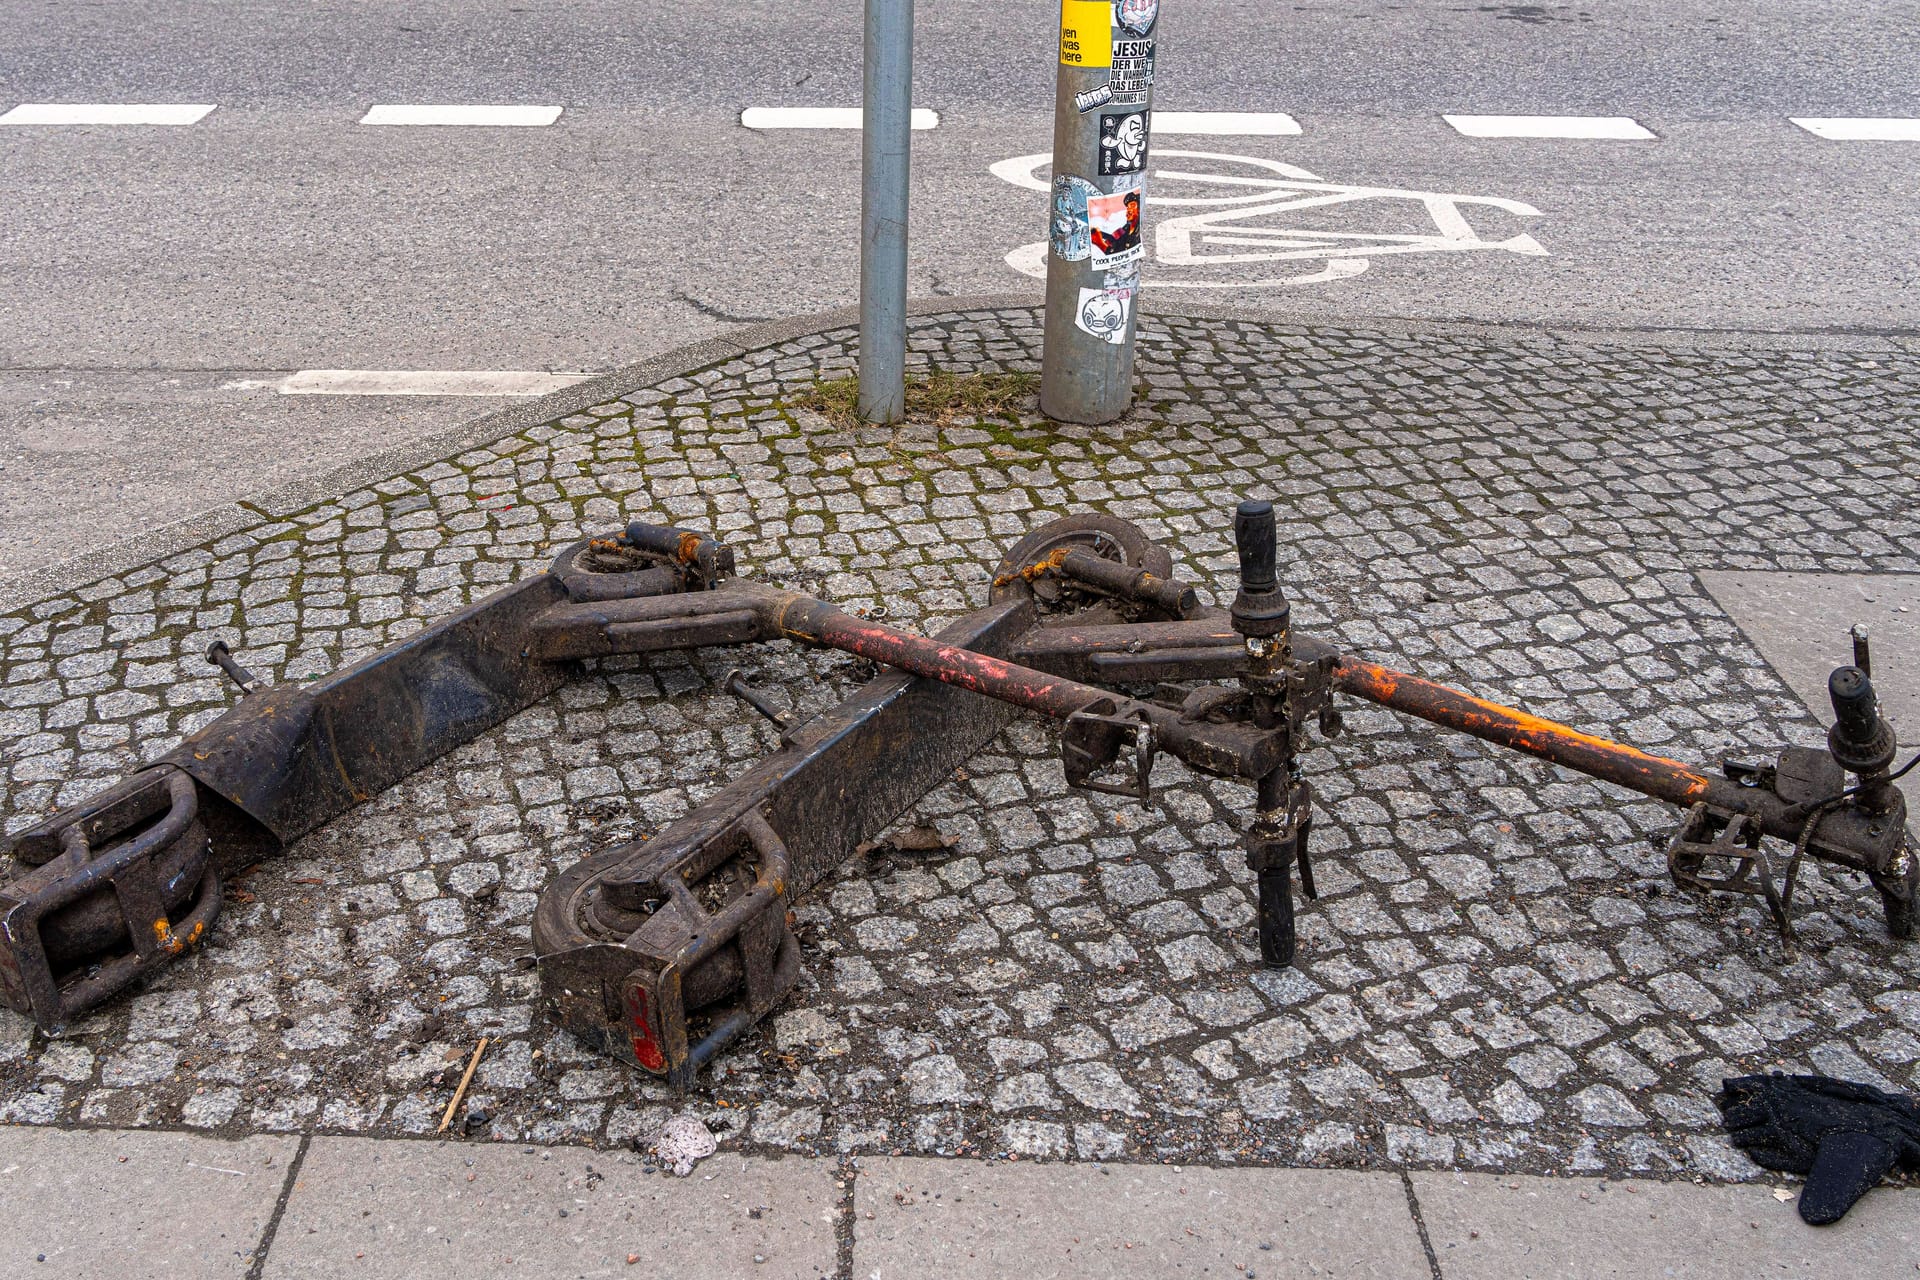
<point>1719,61</point>
<point>158,281</point>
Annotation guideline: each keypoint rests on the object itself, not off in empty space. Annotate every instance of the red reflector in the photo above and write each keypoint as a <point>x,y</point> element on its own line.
<point>646,1045</point>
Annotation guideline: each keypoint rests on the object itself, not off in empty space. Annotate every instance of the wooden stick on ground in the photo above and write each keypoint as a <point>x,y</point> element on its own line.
<point>465,1080</point>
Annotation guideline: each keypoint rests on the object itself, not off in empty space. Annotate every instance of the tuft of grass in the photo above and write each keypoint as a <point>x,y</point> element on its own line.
<point>937,397</point>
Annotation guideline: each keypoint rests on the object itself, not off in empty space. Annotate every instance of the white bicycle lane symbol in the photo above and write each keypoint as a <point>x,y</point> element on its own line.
<point>1254,207</point>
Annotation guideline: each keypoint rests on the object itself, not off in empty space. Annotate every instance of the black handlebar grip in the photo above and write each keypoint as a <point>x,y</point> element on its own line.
<point>1253,536</point>
<point>1854,704</point>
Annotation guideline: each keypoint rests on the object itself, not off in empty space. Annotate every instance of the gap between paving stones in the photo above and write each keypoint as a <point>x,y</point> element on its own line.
<point>1495,977</point>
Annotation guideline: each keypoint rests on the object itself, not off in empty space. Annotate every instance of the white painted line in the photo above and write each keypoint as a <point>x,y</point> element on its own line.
<point>1616,128</point>
<point>426,382</point>
<point>495,117</point>
<point>1860,128</point>
<point>107,113</point>
<point>1243,124</point>
<point>822,118</point>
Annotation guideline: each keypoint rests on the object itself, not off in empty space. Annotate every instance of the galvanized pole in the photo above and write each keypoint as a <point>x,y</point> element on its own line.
<point>885,145</point>
<point>1101,124</point>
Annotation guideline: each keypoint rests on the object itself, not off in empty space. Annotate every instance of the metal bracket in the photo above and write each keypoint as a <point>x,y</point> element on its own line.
<point>1709,838</point>
<point>100,913</point>
<point>1094,737</point>
<point>752,924</point>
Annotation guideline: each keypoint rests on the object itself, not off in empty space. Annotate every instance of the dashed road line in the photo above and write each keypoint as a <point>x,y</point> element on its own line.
<point>1610,128</point>
<point>1247,124</point>
<point>1861,128</point>
<point>822,118</point>
<point>426,382</point>
<point>168,113</point>
<point>494,116</point>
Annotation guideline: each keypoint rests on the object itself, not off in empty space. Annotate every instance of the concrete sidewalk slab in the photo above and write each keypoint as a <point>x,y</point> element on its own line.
<point>1490,1227</point>
<point>1799,621</point>
<point>963,1218</point>
<point>117,1203</point>
<point>404,1209</point>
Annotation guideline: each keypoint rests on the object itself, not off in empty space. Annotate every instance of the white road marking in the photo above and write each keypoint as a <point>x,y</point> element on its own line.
<point>426,382</point>
<point>524,117</point>
<point>1860,128</point>
<point>822,118</point>
<point>1250,124</point>
<point>1260,211</point>
<point>1617,128</point>
<point>107,113</point>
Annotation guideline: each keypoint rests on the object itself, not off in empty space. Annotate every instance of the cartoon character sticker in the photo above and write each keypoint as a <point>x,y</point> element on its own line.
<point>1113,226</point>
<point>1137,16</point>
<point>1123,143</point>
<point>1069,232</point>
<point>1104,314</point>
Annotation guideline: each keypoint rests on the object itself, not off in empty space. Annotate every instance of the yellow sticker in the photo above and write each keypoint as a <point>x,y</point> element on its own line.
<point>1086,31</point>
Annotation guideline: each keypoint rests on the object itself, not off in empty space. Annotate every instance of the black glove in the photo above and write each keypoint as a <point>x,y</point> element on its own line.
<point>1843,1137</point>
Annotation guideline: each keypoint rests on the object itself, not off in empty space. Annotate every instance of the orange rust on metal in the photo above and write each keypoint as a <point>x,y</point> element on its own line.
<point>689,548</point>
<point>816,622</point>
<point>1609,761</point>
<point>1051,563</point>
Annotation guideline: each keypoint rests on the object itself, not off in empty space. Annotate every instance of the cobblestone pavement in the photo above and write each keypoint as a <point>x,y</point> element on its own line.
<point>1497,973</point>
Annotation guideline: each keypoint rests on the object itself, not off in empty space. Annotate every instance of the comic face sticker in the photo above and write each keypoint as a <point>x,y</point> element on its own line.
<point>1137,16</point>
<point>1113,227</point>
<point>1103,313</point>
<point>1123,143</point>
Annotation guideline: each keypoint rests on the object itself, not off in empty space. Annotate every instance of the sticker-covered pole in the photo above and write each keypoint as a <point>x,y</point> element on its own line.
<point>1101,126</point>
<point>885,146</point>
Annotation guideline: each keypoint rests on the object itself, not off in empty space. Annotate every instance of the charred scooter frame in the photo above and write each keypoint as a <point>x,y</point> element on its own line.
<point>661,952</point>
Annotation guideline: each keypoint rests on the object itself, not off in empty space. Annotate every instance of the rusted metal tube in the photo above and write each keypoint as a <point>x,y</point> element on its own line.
<point>816,622</point>
<point>1225,750</point>
<point>1133,583</point>
<point>1654,776</point>
<point>1203,648</point>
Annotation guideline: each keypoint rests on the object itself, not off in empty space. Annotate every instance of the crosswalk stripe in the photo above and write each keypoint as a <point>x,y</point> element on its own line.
<point>171,113</point>
<point>1861,128</point>
<point>1252,124</point>
<point>497,116</point>
<point>426,382</point>
<point>822,118</point>
<point>1611,128</point>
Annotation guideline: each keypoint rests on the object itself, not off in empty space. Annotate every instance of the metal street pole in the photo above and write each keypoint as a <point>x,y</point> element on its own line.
<point>1101,121</point>
<point>885,144</point>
